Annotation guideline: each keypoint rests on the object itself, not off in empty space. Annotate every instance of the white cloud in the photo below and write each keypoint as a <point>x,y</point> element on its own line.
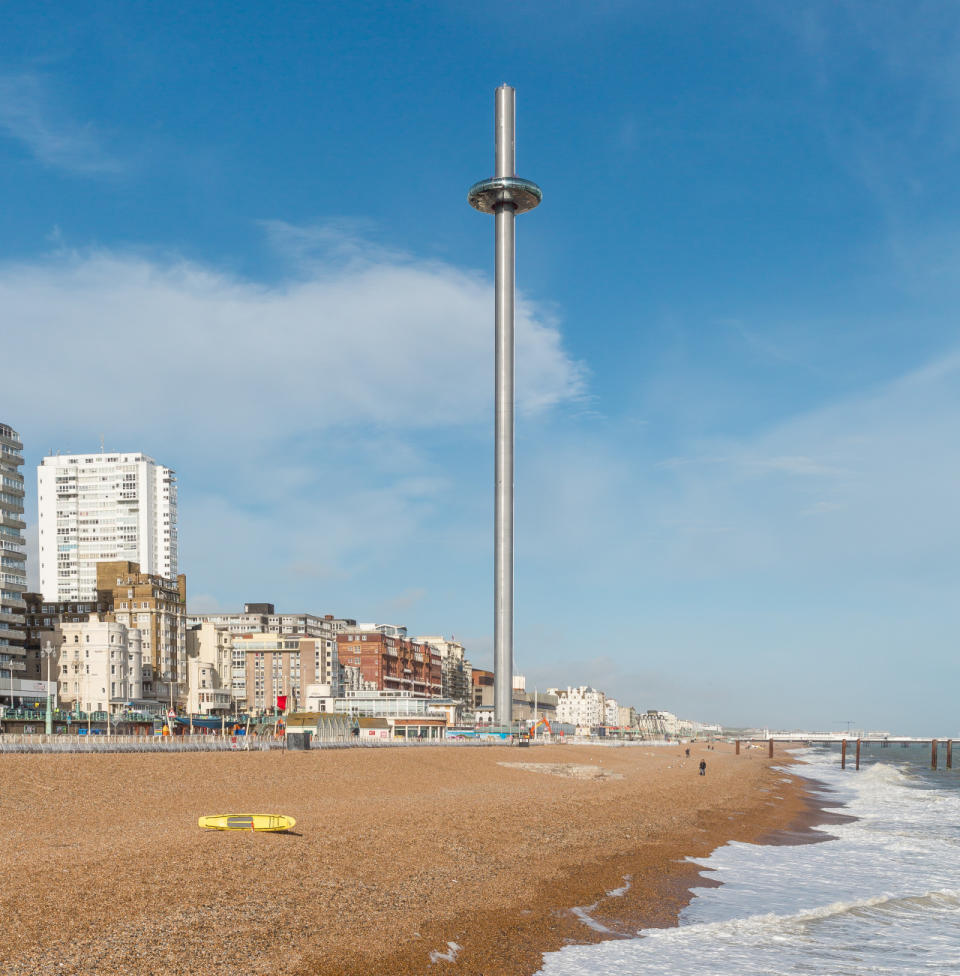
<point>29,114</point>
<point>133,344</point>
<point>291,411</point>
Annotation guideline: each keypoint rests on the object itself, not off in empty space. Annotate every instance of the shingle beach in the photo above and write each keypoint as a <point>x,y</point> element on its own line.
<point>407,860</point>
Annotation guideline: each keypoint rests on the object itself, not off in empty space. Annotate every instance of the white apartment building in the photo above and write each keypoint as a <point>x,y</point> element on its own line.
<point>100,665</point>
<point>103,507</point>
<point>611,712</point>
<point>209,669</point>
<point>583,707</point>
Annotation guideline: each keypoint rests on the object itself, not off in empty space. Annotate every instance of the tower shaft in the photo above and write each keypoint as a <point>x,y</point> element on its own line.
<point>504,196</point>
<point>504,423</point>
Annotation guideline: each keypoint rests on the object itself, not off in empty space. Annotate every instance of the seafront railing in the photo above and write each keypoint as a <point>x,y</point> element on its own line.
<point>13,742</point>
<point>22,743</point>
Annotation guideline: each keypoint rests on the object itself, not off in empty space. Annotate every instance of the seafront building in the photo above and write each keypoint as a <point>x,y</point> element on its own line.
<point>611,712</point>
<point>209,670</point>
<point>376,661</point>
<point>482,681</point>
<point>99,666</point>
<point>387,714</point>
<point>583,707</point>
<point>151,607</point>
<point>262,618</point>
<point>456,671</point>
<point>276,665</point>
<point>157,606</point>
<point>43,627</point>
<point>627,717</point>
<point>657,724</point>
<point>13,565</point>
<point>103,507</point>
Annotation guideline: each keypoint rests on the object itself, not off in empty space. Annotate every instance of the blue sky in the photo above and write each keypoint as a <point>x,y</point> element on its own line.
<point>236,237</point>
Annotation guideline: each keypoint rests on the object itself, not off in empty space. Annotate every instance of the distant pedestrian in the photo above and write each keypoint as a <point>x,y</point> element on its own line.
<point>688,753</point>
<point>703,767</point>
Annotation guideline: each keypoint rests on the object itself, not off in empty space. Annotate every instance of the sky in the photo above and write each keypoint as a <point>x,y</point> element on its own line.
<point>236,237</point>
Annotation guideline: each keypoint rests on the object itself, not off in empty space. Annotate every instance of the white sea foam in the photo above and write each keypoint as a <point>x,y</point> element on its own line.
<point>449,956</point>
<point>881,898</point>
<point>622,890</point>
<point>584,913</point>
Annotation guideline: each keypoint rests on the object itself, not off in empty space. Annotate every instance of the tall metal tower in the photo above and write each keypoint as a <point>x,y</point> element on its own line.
<point>505,196</point>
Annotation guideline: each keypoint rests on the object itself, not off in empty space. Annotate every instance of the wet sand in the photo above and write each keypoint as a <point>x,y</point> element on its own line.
<point>397,853</point>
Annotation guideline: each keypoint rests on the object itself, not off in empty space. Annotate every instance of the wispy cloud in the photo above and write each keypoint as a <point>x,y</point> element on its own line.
<point>876,468</point>
<point>326,246</point>
<point>30,114</point>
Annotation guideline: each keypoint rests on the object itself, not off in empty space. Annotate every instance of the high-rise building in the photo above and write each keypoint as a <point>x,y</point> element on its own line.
<point>103,507</point>
<point>13,560</point>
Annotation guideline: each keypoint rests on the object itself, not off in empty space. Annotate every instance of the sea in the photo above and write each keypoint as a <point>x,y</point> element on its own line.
<point>882,896</point>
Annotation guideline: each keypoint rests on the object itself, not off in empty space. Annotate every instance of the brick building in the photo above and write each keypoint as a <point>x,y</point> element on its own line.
<point>392,663</point>
<point>278,664</point>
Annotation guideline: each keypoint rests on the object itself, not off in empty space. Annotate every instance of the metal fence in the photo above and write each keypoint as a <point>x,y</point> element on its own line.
<point>10,742</point>
<point>15,743</point>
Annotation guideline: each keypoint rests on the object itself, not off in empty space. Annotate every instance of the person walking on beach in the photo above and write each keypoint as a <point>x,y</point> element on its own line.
<point>703,767</point>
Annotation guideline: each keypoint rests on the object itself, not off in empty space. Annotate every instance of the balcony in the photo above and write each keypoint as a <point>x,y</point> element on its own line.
<point>9,439</point>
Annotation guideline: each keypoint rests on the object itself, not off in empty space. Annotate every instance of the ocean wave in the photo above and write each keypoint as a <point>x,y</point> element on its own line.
<point>771,944</point>
<point>880,898</point>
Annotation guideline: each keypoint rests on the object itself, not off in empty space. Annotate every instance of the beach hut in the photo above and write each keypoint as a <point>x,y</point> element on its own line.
<point>373,728</point>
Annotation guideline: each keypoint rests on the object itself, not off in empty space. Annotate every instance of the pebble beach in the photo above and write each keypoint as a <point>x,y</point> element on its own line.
<point>414,860</point>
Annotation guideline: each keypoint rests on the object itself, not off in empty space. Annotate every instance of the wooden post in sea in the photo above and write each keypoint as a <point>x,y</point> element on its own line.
<point>843,754</point>
<point>933,753</point>
<point>738,748</point>
<point>858,753</point>
<point>949,753</point>
<point>770,753</point>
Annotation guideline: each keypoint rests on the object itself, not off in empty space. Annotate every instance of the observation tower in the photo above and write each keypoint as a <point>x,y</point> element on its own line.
<point>504,195</point>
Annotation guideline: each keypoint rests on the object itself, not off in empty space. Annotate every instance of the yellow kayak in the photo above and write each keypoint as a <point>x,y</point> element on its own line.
<point>247,821</point>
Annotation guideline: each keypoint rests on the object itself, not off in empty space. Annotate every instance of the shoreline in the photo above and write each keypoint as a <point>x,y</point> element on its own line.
<point>515,946</point>
<point>396,855</point>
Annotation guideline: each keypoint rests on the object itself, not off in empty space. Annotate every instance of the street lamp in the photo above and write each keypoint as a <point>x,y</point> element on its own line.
<point>47,652</point>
